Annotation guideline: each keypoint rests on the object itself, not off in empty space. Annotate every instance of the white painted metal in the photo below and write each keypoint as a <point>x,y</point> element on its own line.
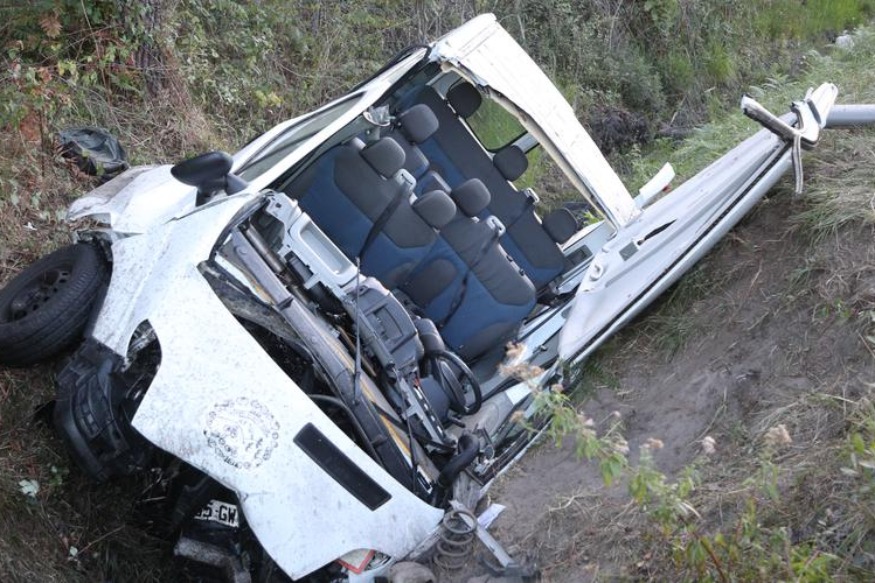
<point>642,260</point>
<point>488,56</point>
<point>135,200</point>
<point>660,181</point>
<point>220,403</point>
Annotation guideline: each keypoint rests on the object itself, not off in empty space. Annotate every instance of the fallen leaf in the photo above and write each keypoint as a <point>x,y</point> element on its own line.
<point>51,25</point>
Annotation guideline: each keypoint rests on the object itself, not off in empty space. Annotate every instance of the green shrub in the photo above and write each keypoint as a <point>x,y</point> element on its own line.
<point>719,63</point>
<point>651,55</point>
<point>678,72</point>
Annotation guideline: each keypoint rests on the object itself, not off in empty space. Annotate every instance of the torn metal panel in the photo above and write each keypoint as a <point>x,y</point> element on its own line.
<point>135,200</point>
<point>241,428</point>
<point>486,54</point>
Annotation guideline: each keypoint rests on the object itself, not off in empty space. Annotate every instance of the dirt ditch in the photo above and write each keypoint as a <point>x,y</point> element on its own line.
<point>778,324</point>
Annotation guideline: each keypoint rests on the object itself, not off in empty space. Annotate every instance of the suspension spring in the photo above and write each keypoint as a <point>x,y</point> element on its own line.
<point>456,540</point>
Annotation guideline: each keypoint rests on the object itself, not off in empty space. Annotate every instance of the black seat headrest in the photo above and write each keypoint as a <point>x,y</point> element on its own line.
<point>418,123</point>
<point>511,161</point>
<point>471,197</point>
<point>560,225</point>
<point>436,208</point>
<point>464,99</point>
<point>385,156</point>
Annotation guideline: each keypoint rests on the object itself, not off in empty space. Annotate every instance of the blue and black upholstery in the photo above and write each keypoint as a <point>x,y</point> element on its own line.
<point>386,203</point>
<point>360,197</point>
<point>412,127</point>
<point>455,155</point>
<point>349,187</point>
<point>467,284</point>
<point>406,237</point>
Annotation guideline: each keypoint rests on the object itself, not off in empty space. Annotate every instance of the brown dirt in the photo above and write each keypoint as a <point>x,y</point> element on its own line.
<point>778,324</point>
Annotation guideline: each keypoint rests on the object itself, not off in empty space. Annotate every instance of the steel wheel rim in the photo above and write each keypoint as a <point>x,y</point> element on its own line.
<point>38,292</point>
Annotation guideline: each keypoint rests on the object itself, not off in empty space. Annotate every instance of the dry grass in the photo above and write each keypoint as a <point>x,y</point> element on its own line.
<point>596,534</point>
<point>842,192</point>
<point>72,529</point>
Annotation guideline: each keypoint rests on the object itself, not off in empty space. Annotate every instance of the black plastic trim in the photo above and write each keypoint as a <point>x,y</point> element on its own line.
<point>94,406</point>
<point>344,471</point>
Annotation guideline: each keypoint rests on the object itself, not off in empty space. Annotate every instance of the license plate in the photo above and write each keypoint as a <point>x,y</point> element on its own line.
<point>221,512</point>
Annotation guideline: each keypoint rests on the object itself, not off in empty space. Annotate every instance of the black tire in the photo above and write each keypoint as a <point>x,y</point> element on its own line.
<point>45,308</point>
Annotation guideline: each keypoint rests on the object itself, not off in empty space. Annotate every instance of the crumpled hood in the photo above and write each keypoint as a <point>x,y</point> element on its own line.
<point>136,200</point>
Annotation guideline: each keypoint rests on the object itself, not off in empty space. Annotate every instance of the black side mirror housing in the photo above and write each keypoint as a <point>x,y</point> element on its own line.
<point>210,173</point>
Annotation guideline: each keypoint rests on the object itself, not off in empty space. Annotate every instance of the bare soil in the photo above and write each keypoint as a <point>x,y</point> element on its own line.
<point>778,323</point>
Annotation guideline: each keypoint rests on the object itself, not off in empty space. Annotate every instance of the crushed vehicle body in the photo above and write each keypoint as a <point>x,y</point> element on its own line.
<point>306,337</point>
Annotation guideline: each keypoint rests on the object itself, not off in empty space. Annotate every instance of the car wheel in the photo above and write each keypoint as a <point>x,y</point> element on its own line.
<point>45,308</point>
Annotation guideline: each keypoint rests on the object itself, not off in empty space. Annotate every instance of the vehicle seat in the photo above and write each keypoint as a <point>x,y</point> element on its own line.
<point>528,239</point>
<point>454,153</point>
<point>350,186</point>
<point>412,127</point>
<point>407,236</point>
<point>468,284</point>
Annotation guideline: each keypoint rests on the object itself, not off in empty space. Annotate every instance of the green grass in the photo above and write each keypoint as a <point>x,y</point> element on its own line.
<point>843,156</point>
<point>658,57</point>
<point>787,19</point>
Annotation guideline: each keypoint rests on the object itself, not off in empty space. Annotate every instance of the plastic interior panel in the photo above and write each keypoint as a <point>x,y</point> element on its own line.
<point>320,254</point>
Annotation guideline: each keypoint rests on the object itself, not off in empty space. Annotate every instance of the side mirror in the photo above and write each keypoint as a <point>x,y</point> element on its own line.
<point>210,173</point>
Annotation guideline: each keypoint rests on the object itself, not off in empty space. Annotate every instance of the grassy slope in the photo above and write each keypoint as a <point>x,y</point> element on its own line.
<point>795,282</point>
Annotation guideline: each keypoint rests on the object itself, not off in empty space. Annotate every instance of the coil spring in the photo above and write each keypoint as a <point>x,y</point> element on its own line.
<point>456,540</point>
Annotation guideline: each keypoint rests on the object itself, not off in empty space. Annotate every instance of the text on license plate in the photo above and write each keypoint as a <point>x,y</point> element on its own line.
<point>221,512</point>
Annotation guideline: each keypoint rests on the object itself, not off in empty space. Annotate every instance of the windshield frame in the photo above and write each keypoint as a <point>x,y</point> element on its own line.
<point>286,142</point>
<point>360,99</point>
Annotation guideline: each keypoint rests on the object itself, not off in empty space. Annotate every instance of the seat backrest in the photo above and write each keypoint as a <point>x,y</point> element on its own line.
<point>361,198</point>
<point>412,127</point>
<point>467,284</point>
<point>456,155</point>
<point>348,188</point>
<point>406,237</point>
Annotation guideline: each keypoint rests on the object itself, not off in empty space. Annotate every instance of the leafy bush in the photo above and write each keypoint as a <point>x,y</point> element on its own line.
<point>654,55</point>
<point>247,65</point>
